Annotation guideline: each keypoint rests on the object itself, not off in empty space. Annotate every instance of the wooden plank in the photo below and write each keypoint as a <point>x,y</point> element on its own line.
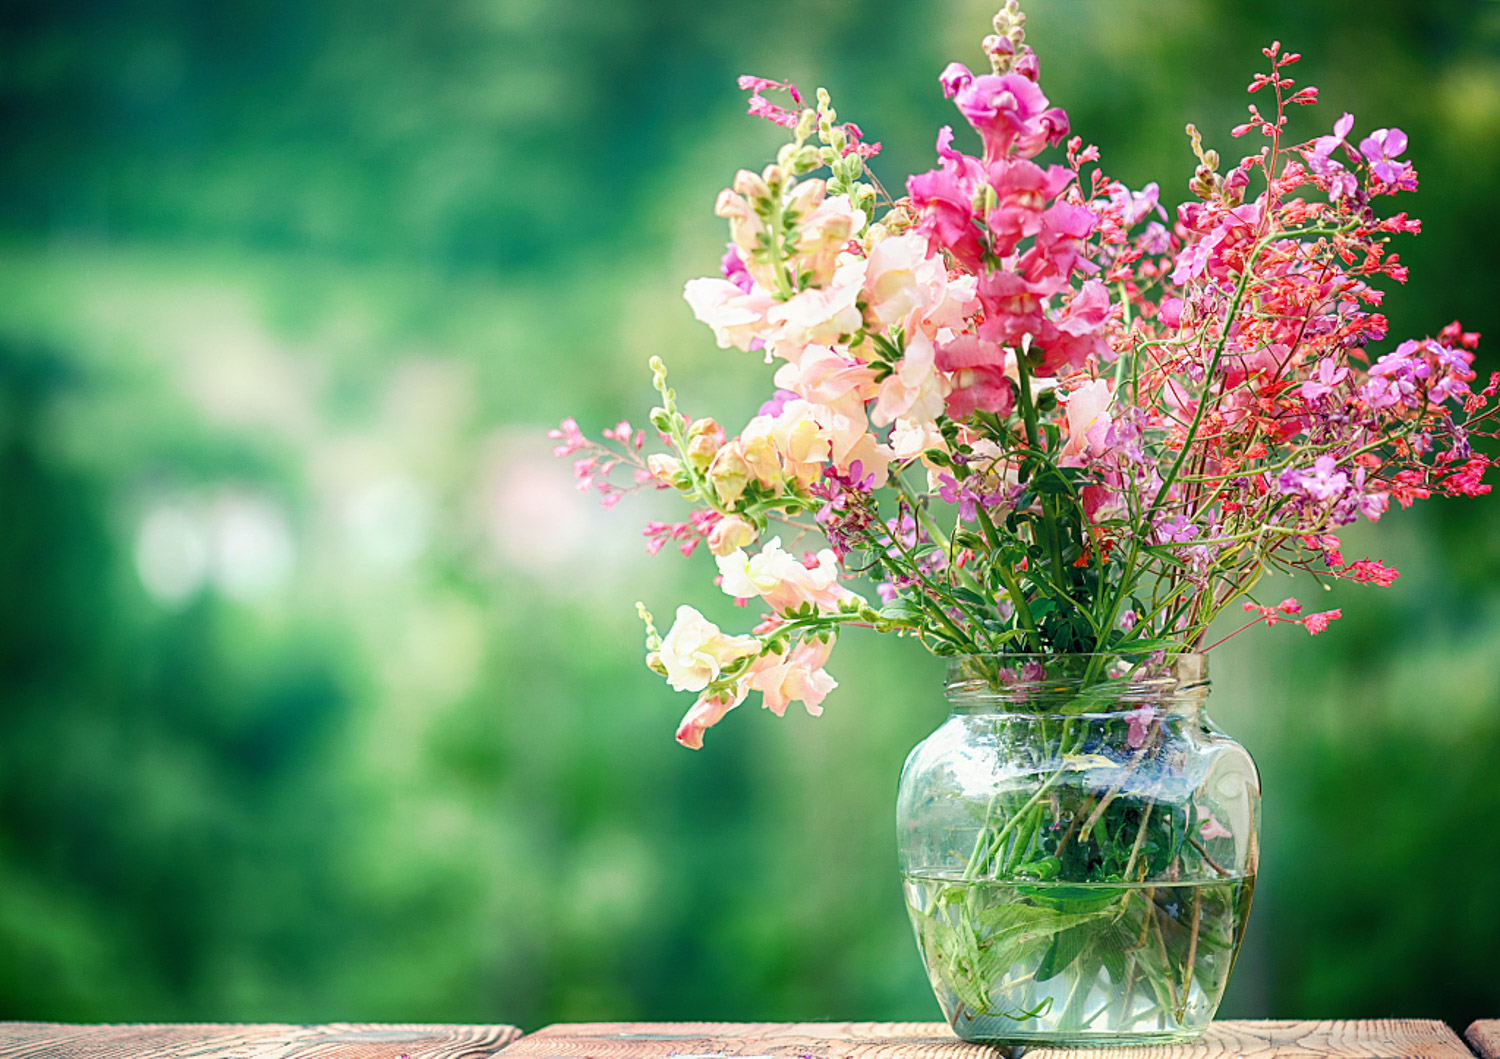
<point>1484,1035</point>
<point>53,1040</point>
<point>749,1040</point>
<point>1386,1039</point>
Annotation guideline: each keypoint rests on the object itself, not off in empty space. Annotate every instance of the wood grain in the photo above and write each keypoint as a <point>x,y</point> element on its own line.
<point>1399,1039</point>
<point>1484,1036</point>
<point>52,1040</point>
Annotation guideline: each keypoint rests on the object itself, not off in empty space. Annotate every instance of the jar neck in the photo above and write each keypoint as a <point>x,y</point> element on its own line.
<point>1076,685</point>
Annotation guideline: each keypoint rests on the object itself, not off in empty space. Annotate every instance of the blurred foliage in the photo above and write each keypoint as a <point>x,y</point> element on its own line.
<point>320,691</point>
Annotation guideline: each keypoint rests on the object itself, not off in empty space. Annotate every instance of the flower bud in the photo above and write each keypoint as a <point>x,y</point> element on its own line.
<point>757,445</point>
<point>706,427</point>
<point>808,197</point>
<point>774,176</point>
<point>701,452</point>
<point>664,468</point>
<point>750,185</point>
<point>728,473</point>
<point>729,533</point>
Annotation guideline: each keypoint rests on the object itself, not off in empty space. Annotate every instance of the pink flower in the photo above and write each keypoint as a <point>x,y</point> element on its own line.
<point>797,676</point>
<point>1380,149</point>
<point>571,437</point>
<point>903,275</point>
<point>708,711</point>
<point>1328,374</point>
<point>1233,230</point>
<point>1023,190</point>
<point>1210,828</point>
<point>978,374</point>
<point>1316,623</point>
<point>1008,111</point>
<point>1058,249</point>
<point>1370,572</point>
<point>760,107</point>
<point>914,390</point>
<point>818,316</point>
<point>822,377</point>
<point>1324,146</point>
<point>1088,423</point>
<point>944,201</point>
<point>1138,725</point>
<point>738,318</point>
<point>731,533</point>
<point>823,226</point>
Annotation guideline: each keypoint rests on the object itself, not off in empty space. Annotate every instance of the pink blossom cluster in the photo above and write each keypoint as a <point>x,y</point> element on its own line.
<point>1099,422</point>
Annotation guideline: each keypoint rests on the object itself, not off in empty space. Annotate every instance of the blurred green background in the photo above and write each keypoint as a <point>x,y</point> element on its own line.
<point>320,688</point>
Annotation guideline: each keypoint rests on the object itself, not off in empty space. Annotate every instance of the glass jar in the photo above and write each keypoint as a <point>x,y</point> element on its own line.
<point>1078,848</point>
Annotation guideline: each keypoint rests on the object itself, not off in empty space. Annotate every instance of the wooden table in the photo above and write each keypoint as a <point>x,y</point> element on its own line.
<point>1387,1039</point>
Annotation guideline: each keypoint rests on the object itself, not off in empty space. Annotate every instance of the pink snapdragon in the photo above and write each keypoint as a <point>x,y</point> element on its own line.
<point>914,390</point>
<point>944,200</point>
<point>708,711</point>
<point>1088,423</point>
<point>797,676</point>
<point>1009,112</point>
<point>737,316</point>
<point>902,276</point>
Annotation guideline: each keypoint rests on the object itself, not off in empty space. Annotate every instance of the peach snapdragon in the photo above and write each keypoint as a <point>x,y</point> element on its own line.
<point>694,652</point>
<point>785,582</point>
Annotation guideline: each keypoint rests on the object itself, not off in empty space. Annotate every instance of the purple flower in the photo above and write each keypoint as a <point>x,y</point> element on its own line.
<point>1324,146</point>
<point>1175,530</point>
<point>846,514</point>
<point>965,496</point>
<point>1135,206</point>
<point>1329,374</point>
<point>1138,725</point>
<point>777,402</point>
<point>1155,239</point>
<point>1031,672</point>
<point>1323,483</point>
<point>1380,149</point>
<point>733,268</point>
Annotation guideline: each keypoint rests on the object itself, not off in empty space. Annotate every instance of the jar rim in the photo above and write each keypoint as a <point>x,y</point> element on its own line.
<point>1027,680</point>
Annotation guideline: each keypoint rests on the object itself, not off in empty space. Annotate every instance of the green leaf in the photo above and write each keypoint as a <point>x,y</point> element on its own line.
<point>902,611</point>
<point>1066,946</point>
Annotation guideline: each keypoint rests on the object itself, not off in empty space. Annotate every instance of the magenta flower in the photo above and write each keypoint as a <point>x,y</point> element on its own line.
<point>1022,191</point>
<point>1329,374</point>
<point>1138,726</point>
<point>1324,146</point>
<point>1175,530</point>
<point>732,267</point>
<point>761,107</point>
<point>1380,149</point>
<point>1008,111</point>
<point>944,200</point>
<point>1323,483</point>
<point>777,402</point>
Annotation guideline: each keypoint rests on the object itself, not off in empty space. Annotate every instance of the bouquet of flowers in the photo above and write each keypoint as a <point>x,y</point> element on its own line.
<point>1035,411</point>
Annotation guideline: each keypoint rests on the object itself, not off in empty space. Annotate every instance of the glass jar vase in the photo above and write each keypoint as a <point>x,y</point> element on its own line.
<point>1078,848</point>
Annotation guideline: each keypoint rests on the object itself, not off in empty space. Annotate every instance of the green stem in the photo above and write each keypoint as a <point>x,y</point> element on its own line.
<point>1033,439</point>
